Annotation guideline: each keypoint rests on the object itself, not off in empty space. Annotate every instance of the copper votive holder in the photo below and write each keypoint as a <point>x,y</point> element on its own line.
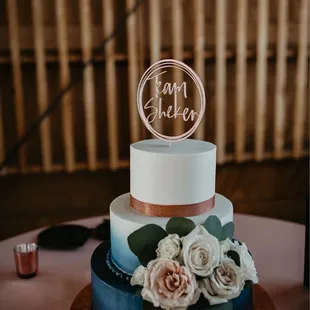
<point>26,260</point>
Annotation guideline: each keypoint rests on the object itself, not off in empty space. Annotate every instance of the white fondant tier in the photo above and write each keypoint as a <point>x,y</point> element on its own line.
<point>124,221</point>
<point>180,174</point>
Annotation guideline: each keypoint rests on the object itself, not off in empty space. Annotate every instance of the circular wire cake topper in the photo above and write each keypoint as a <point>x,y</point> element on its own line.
<point>149,74</point>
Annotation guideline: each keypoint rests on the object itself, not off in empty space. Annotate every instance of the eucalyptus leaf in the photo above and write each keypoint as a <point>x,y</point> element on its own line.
<point>234,256</point>
<point>143,242</point>
<point>228,230</point>
<point>147,254</point>
<point>180,226</point>
<point>148,306</point>
<point>214,227</point>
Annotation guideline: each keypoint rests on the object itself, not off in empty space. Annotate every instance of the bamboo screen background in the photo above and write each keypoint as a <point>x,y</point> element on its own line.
<point>252,57</point>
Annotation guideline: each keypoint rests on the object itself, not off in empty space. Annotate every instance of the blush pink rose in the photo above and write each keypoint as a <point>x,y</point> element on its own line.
<point>169,285</point>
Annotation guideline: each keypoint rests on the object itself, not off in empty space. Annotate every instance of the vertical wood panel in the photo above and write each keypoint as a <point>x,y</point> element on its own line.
<point>133,72</point>
<point>280,102</point>
<point>177,53</point>
<point>88,84</point>
<point>2,149</point>
<point>110,78</point>
<point>261,79</point>
<point>220,119</point>
<point>301,81</point>
<point>199,62</point>
<point>67,122</point>
<point>141,42</point>
<point>155,42</point>
<point>142,52</point>
<point>241,63</point>
<point>42,87</point>
<point>17,77</point>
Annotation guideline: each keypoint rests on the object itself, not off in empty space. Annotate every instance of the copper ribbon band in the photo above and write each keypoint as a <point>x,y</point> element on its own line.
<point>172,210</point>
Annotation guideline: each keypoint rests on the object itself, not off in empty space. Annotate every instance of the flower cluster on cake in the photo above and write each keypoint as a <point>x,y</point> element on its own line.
<point>187,264</point>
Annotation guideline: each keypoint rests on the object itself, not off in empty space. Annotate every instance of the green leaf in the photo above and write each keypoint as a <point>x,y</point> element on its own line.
<point>143,242</point>
<point>225,306</point>
<point>214,227</point>
<point>228,230</point>
<point>180,226</point>
<point>234,256</point>
<point>148,253</point>
<point>147,305</point>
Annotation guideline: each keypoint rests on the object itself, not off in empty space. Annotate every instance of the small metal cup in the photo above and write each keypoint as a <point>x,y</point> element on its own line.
<point>26,260</point>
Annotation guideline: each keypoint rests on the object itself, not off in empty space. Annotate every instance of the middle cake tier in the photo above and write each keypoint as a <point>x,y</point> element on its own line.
<point>124,221</point>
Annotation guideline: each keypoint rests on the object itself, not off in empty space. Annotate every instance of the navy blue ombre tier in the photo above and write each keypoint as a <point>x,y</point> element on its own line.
<point>112,292</point>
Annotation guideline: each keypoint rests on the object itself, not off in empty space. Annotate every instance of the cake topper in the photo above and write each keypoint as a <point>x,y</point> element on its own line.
<point>158,105</point>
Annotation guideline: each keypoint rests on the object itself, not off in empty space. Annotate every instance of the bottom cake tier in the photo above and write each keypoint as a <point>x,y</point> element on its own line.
<point>112,291</point>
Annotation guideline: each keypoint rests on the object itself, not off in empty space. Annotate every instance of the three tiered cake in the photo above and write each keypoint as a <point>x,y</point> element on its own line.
<point>172,243</point>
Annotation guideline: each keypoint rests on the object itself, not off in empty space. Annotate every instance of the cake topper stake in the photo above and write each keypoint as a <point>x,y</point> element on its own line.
<point>154,73</point>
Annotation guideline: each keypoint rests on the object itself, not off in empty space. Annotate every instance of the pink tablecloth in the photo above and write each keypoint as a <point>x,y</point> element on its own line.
<point>277,246</point>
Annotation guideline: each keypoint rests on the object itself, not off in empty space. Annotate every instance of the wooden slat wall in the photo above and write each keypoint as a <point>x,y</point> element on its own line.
<point>67,117</point>
<point>2,149</point>
<point>142,54</point>
<point>42,87</point>
<point>111,89</point>
<point>241,85</point>
<point>199,59</point>
<point>220,86</point>
<point>89,86</point>
<point>155,43</point>
<point>17,78</point>
<point>261,79</point>
<point>144,46</point>
<point>280,102</point>
<point>177,53</point>
<point>301,80</point>
<point>141,42</point>
<point>133,72</point>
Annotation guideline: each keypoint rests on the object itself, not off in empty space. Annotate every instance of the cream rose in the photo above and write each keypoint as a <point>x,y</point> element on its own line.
<point>201,252</point>
<point>169,285</point>
<point>169,247</point>
<point>246,261</point>
<point>224,284</point>
<point>138,276</point>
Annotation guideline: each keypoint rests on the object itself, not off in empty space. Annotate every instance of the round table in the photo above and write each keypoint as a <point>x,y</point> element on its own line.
<point>277,248</point>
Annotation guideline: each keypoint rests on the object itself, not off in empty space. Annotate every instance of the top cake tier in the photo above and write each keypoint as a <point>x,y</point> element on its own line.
<point>180,174</point>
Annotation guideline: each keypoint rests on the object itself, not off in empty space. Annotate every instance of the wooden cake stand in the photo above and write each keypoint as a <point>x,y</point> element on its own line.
<point>262,300</point>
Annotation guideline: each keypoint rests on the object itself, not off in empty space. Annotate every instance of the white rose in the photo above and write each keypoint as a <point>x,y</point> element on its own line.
<point>169,247</point>
<point>138,276</point>
<point>169,285</point>
<point>246,261</point>
<point>224,284</point>
<point>201,252</point>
